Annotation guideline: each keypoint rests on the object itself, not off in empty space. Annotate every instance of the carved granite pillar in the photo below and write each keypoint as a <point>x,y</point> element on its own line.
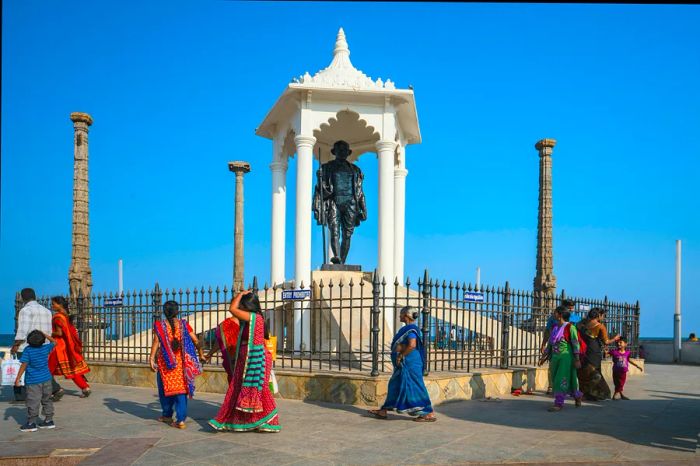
<point>79,274</point>
<point>545,282</point>
<point>240,169</point>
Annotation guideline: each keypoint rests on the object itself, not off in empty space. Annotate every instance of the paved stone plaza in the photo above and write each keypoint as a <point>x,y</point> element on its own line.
<point>116,425</point>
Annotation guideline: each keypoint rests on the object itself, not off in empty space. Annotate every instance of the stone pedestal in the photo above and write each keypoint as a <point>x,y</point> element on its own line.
<point>341,268</point>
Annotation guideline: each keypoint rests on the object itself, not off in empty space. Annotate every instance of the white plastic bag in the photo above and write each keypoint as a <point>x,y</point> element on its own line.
<point>10,368</point>
<point>274,388</point>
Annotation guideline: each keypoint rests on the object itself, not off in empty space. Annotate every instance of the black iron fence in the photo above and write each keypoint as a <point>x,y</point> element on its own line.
<point>348,323</point>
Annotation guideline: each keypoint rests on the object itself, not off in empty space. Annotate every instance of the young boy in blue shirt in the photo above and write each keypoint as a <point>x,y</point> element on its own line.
<point>35,367</point>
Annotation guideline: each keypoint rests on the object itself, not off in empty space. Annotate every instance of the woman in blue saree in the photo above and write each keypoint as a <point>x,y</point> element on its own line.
<point>407,393</point>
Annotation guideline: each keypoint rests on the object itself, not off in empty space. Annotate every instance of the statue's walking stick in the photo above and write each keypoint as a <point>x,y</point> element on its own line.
<point>321,214</point>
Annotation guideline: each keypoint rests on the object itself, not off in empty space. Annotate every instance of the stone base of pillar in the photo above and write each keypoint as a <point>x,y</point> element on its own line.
<point>341,268</point>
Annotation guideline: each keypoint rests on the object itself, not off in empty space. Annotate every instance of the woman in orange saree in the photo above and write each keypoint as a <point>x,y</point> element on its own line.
<point>66,359</point>
<point>249,404</point>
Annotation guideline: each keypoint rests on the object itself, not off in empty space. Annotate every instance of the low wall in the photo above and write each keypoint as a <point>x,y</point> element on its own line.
<point>353,389</point>
<point>661,351</point>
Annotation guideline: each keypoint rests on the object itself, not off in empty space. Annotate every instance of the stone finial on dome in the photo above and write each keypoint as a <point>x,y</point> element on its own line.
<point>341,73</point>
<point>341,52</point>
<point>341,45</point>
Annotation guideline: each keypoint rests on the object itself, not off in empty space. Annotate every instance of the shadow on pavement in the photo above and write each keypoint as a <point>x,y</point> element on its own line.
<point>197,410</point>
<point>667,422</point>
<point>18,413</point>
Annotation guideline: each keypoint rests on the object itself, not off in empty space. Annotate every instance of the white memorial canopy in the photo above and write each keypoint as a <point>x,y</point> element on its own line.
<point>340,102</point>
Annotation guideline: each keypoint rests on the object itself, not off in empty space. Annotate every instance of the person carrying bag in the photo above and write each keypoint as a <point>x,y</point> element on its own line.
<point>10,368</point>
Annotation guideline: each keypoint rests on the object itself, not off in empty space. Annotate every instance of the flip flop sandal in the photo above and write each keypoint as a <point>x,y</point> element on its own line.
<point>425,419</point>
<point>377,415</point>
<point>178,425</point>
<point>167,420</point>
<point>58,395</point>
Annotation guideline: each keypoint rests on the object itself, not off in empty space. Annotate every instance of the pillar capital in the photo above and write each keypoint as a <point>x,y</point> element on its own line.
<point>239,167</point>
<point>80,117</point>
<point>279,165</point>
<point>385,146</point>
<point>545,146</point>
<point>400,172</point>
<point>304,141</point>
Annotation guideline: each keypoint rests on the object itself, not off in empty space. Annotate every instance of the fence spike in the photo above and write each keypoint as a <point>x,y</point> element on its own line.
<point>375,278</point>
<point>383,281</point>
<point>340,283</point>
<point>301,285</point>
<point>255,283</point>
<point>396,281</point>
<point>217,290</point>
<point>408,281</point>
<point>330,283</point>
<point>351,284</point>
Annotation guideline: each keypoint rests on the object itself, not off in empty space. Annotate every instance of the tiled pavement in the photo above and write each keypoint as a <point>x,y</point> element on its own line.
<point>117,425</point>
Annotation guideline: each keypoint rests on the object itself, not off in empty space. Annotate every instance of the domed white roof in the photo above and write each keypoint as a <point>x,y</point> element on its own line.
<point>341,74</point>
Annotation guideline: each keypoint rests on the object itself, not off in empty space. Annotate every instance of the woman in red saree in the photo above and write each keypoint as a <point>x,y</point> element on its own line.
<point>66,359</point>
<point>249,404</point>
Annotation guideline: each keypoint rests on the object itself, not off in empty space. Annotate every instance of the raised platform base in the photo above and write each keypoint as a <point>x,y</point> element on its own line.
<point>341,268</point>
<point>353,388</point>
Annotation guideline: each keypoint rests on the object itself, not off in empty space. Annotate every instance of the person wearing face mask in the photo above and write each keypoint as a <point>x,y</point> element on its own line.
<point>407,393</point>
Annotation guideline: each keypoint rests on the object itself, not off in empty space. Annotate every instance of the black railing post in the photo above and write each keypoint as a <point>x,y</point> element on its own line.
<point>18,306</point>
<point>426,321</point>
<point>157,298</point>
<point>375,324</point>
<point>505,328</point>
<point>80,305</point>
<point>636,328</point>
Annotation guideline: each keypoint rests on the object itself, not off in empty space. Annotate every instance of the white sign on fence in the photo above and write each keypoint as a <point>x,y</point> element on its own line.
<point>113,302</point>
<point>474,296</point>
<point>295,295</point>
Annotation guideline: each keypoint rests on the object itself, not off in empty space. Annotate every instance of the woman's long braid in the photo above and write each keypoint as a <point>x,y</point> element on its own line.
<point>170,309</point>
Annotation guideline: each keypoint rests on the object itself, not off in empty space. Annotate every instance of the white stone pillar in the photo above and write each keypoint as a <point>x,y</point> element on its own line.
<point>279,213</point>
<point>302,240</point>
<point>385,236</point>
<point>399,221</point>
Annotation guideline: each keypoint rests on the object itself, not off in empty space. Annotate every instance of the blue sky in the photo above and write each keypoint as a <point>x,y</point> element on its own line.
<point>176,90</point>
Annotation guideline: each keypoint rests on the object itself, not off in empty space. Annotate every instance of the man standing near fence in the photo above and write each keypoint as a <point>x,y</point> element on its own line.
<point>32,316</point>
